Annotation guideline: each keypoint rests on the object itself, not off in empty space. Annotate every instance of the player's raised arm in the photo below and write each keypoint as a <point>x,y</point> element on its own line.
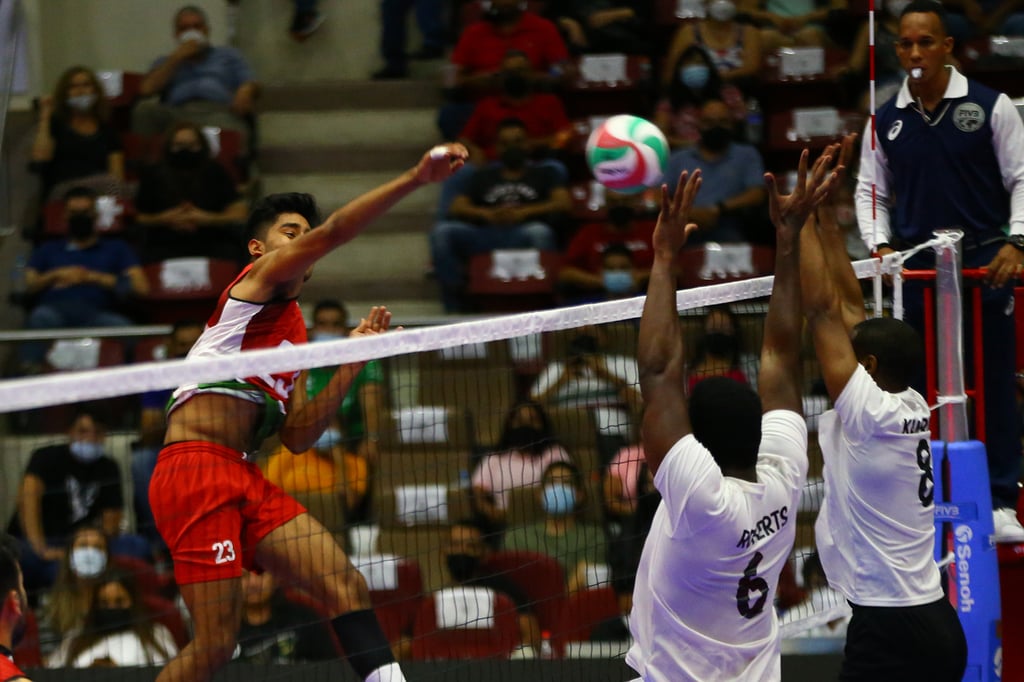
<point>779,380</point>
<point>660,345</point>
<point>293,261</point>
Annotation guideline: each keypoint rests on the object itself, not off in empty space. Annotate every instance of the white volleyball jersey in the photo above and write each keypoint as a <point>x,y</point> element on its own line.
<point>703,601</point>
<point>875,531</point>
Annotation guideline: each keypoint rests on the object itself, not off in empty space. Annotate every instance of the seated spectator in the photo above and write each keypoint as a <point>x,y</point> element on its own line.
<point>527,448</point>
<point>477,58</point>
<point>509,205</point>
<point>734,48</point>
<point>733,191</point>
<point>603,25</point>
<point>152,426</point>
<point>574,544</point>
<point>187,202</point>
<point>210,86</point>
<point>717,352</point>
<point>117,632</point>
<point>75,145</point>
<point>889,74</point>
<point>621,483</point>
<point>276,630</point>
<point>465,554</point>
<point>81,567</point>
<point>64,487</point>
<point>786,23</point>
<point>79,281</point>
<point>694,82</point>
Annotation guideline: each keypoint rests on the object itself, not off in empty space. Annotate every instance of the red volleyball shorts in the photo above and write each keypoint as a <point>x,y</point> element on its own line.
<point>212,508</point>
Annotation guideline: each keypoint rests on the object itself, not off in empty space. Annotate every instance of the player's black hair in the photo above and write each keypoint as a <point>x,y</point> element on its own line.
<point>617,249</point>
<point>10,569</point>
<point>896,346</point>
<point>266,211</point>
<point>928,7</point>
<point>726,419</point>
<point>79,192</point>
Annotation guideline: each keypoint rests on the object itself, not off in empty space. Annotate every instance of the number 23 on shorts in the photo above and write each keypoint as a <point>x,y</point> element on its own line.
<point>224,552</point>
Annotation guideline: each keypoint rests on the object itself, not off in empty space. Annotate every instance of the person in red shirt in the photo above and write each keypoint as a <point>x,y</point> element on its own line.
<point>13,609</point>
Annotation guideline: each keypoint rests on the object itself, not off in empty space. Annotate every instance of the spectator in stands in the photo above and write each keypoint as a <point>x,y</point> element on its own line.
<point>573,543</point>
<point>527,448</point>
<point>79,281</point>
<point>477,58</point>
<point>734,48</point>
<point>621,484</point>
<point>117,632</point>
<point>733,191</point>
<point>211,86</point>
<point>393,15</point>
<point>81,567</point>
<point>694,81</point>
<point>277,630</point>
<point>509,205</point>
<point>75,142</point>
<point>465,554</point>
<point>603,25</point>
<point>152,425</point>
<point>66,486</point>
<point>784,23</point>
<point>718,350</point>
<point>188,204</point>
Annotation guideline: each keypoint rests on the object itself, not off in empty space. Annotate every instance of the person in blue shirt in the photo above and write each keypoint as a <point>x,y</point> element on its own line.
<point>733,183</point>
<point>79,281</point>
<point>949,152</point>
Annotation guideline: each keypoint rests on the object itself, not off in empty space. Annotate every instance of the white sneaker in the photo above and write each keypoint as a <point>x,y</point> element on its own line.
<point>1008,528</point>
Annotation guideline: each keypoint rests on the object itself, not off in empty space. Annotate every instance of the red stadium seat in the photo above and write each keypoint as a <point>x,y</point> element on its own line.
<point>169,301</point>
<point>143,150</point>
<point>396,609</point>
<point>492,292</point>
<point>122,89</point>
<point>696,268</point>
<point>584,611</point>
<point>431,643</point>
<point>629,94</point>
<point>540,578</point>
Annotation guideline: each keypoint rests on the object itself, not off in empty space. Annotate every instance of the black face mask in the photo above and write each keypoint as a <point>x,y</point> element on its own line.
<point>185,158</point>
<point>716,138</point>
<point>504,15</point>
<point>112,619</point>
<point>514,158</point>
<point>720,344</point>
<point>620,216</point>
<point>81,225</point>
<point>515,84</point>
<point>524,439</point>
<point>463,567</point>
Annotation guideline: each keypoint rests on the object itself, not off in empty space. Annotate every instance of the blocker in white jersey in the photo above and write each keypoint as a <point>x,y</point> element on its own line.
<point>729,465</point>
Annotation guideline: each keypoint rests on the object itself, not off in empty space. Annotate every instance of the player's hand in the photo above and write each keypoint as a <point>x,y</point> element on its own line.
<point>377,321</point>
<point>440,162</point>
<point>846,150</point>
<point>1005,267</point>
<point>674,226</point>
<point>789,212</point>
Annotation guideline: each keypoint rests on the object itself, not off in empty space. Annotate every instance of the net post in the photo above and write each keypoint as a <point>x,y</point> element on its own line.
<point>952,409</point>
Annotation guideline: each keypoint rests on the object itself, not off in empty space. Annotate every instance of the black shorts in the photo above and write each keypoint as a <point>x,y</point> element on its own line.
<point>904,643</point>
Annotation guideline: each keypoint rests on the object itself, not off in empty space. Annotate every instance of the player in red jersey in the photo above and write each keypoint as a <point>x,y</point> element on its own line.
<point>211,504</point>
<point>13,609</point>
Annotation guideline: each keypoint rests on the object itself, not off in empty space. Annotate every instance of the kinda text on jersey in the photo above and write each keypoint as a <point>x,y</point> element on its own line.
<point>768,525</point>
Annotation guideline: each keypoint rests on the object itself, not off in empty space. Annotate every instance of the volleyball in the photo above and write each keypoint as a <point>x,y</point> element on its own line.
<point>627,154</point>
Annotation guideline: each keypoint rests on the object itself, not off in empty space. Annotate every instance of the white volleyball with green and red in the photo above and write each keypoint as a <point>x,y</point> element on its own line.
<point>627,154</point>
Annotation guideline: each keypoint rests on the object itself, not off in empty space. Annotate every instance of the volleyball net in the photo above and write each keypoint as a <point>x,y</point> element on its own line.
<point>486,477</point>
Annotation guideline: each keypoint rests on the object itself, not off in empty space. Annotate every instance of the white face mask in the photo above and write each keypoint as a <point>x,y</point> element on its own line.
<point>82,102</point>
<point>193,34</point>
<point>722,10</point>
<point>88,562</point>
<point>86,450</point>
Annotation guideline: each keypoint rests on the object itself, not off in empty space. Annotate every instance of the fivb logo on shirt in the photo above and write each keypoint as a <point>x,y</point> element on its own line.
<point>968,117</point>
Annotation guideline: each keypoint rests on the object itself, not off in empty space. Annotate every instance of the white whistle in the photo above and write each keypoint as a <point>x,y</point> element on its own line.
<point>916,72</point>
<point>438,152</point>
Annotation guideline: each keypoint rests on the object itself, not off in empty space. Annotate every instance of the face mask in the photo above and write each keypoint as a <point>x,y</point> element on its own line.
<point>328,439</point>
<point>185,158</point>
<point>720,344</point>
<point>895,7</point>
<point>193,34</point>
<point>524,439</point>
<point>515,85</point>
<point>716,139</point>
<point>559,499</point>
<point>325,336</point>
<point>620,216</point>
<point>722,10</point>
<point>462,567</point>
<point>81,225</point>
<point>82,102</point>
<point>695,76</point>
<point>514,158</point>
<point>112,619</point>
<point>86,451</point>
<point>88,562</point>
<point>617,281</point>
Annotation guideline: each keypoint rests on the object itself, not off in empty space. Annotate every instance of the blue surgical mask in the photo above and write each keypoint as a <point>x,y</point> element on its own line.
<point>617,281</point>
<point>325,336</point>
<point>695,76</point>
<point>559,499</point>
<point>328,439</point>
<point>86,451</point>
<point>88,562</point>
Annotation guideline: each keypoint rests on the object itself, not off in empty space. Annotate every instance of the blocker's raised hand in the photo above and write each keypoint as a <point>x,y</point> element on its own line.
<point>673,227</point>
